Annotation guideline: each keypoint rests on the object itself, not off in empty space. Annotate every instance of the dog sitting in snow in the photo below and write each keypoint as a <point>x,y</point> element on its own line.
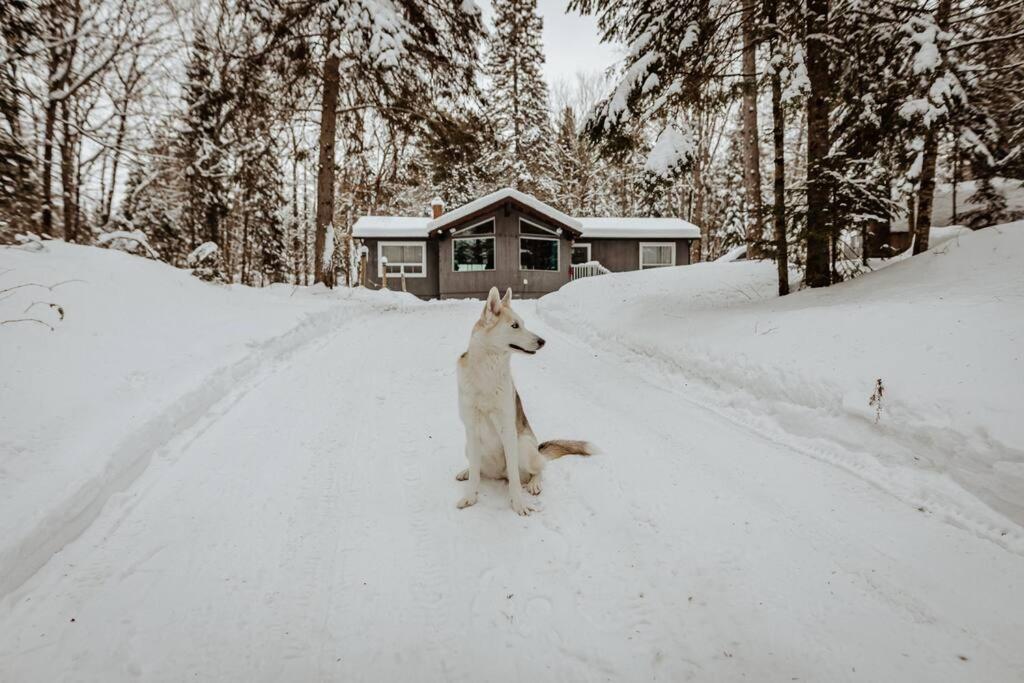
<point>499,441</point>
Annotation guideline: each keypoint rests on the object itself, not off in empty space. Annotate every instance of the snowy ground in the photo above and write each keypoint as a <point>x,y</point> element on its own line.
<point>298,523</point>
<point>943,331</point>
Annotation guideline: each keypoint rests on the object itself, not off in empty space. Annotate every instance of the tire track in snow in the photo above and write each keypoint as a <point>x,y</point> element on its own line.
<point>23,558</point>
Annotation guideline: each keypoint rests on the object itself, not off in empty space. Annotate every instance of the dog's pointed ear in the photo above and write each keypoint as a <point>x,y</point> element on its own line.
<point>493,306</point>
<point>507,299</point>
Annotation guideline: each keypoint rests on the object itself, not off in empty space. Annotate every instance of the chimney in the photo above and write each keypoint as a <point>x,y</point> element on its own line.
<point>436,207</point>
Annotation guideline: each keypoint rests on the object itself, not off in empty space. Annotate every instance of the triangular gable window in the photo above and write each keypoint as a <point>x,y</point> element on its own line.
<point>484,228</point>
<point>530,228</point>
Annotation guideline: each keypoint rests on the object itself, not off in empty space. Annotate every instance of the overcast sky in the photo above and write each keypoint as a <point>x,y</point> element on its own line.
<point>570,41</point>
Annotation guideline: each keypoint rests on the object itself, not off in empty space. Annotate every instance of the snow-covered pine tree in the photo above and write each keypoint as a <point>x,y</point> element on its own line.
<point>989,41</point>
<point>202,142</point>
<point>404,59</point>
<point>573,166</point>
<point>155,201</point>
<point>681,56</point>
<point>455,148</point>
<point>517,98</point>
<point>256,133</point>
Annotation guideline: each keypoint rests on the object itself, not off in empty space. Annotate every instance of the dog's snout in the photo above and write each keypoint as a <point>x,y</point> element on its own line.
<point>540,342</point>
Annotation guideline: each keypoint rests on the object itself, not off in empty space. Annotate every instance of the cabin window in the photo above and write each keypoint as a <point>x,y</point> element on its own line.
<point>527,227</point>
<point>580,253</point>
<point>473,247</point>
<point>403,258</point>
<point>482,228</point>
<point>657,254</point>
<point>538,253</point>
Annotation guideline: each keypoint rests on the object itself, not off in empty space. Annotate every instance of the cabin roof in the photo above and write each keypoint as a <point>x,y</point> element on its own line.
<point>633,228</point>
<point>588,227</point>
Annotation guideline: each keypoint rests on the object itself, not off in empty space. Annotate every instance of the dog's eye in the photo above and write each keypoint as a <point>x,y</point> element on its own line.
<point>515,326</point>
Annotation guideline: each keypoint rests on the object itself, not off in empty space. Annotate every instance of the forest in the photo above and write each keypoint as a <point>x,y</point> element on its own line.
<point>802,130</point>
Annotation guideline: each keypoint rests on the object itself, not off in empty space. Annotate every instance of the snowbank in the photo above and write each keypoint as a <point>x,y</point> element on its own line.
<point>942,331</point>
<point>143,351</point>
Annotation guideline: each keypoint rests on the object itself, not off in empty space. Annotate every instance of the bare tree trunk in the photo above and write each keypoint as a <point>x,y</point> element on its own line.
<point>926,192</point>
<point>817,273</point>
<point>751,148</point>
<point>698,203</point>
<point>295,213</point>
<point>245,248</point>
<point>78,185</point>
<point>305,225</point>
<point>956,174</point>
<point>49,127</point>
<point>67,173</point>
<point>108,200</point>
<point>325,171</point>
<point>778,140</point>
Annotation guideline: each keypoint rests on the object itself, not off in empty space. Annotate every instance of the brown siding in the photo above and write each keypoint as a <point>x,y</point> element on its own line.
<point>620,255</point>
<point>615,254</point>
<point>423,287</point>
<point>506,271</point>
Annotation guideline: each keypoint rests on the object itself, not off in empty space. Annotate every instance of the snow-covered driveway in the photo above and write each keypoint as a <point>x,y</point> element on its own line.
<point>306,530</point>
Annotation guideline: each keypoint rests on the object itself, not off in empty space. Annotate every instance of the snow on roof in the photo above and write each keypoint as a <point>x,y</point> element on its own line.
<point>614,226</point>
<point>592,226</point>
<point>391,226</point>
<point>494,197</point>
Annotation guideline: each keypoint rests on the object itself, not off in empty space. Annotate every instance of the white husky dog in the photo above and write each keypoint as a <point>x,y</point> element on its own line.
<point>499,441</point>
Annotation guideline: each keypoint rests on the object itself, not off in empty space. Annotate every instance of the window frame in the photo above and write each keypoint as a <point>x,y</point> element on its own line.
<point>491,237</point>
<point>671,245</point>
<point>423,263</point>
<point>590,251</point>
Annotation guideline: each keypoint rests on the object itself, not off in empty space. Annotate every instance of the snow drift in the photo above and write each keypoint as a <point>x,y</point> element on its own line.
<point>143,351</point>
<point>942,331</point>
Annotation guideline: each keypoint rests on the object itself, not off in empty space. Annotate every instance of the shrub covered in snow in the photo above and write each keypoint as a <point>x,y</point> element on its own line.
<point>205,262</point>
<point>132,242</point>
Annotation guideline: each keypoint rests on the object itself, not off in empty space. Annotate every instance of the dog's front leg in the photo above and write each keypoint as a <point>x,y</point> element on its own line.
<point>506,429</point>
<point>473,456</point>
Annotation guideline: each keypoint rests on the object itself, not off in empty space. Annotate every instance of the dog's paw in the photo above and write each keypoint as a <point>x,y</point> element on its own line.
<point>533,486</point>
<point>463,475</point>
<point>466,502</point>
<point>521,507</point>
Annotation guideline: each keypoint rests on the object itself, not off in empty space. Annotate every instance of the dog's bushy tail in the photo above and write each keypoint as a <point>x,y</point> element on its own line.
<point>559,447</point>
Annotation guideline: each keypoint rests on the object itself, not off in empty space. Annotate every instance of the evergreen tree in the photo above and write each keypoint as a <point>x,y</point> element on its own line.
<point>259,175</point>
<point>207,166</point>
<point>456,151</point>
<point>517,100</point>
<point>155,201</point>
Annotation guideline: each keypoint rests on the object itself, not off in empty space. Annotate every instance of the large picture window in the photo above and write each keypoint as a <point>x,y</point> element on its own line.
<point>403,258</point>
<point>538,253</point>
<point>473,248</point>
<point>538,247</point>
<point>657,254</point>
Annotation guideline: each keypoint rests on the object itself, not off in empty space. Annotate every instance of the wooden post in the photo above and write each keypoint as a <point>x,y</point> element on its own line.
<point>384,271</point>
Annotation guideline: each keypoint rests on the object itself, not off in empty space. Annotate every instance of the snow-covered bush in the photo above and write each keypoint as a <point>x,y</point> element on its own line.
<point>205,262</point>
<point>133,242</point>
